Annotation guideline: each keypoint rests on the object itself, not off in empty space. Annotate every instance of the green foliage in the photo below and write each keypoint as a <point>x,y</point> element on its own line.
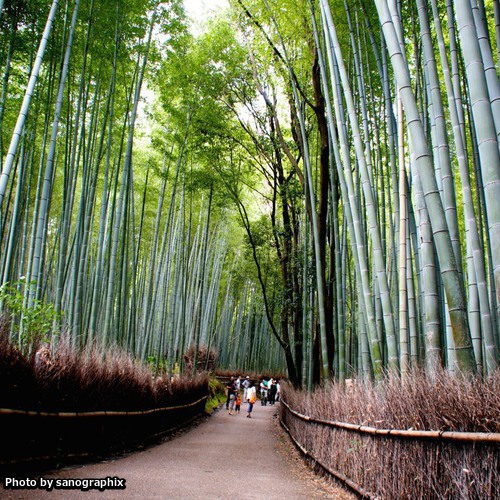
<point>32,324</point>
<point>216,395</point>
<point>157,365</point>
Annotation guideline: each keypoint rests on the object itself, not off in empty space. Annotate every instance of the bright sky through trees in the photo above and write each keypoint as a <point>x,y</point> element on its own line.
<point>200,10</point>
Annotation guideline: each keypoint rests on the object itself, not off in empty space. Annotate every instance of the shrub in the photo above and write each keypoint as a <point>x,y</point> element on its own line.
<point>227,373</point>
<point>32,324</point>
<point>64,379</point>
<point>206,360</point>
<point>216,395</point>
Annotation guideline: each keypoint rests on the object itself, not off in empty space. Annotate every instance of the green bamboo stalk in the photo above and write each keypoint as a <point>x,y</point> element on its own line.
<point>21,119</point>
<point>351,205</point>
<point>478,274</point>
<point>482,112</point>
<point>490,69</point>
<point>404,342</point>
<point>379,259</point>
<point>452,284</point>
<point>43,212</point>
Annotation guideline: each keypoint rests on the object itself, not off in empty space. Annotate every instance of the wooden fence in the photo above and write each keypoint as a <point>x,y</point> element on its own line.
<point>390,463</point>
<point>36,439</point>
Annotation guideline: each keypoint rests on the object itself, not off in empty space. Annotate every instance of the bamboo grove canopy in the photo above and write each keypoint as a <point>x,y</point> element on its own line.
<point>310,184</point>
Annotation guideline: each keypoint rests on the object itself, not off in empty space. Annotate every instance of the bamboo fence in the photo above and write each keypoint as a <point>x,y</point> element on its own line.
<point>40,439</point>
<point>453,464</point>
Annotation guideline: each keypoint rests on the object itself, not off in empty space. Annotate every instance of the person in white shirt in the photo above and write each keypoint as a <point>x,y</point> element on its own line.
<point>252,397</point>
<point>263,392</point>
<point>246,385</point>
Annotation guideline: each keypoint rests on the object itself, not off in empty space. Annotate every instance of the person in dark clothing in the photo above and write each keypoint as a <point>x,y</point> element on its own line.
<point>272,392</point>
<point>230,388</point>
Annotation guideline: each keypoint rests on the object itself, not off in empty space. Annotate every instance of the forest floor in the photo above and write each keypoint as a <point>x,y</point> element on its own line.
<point>226,456</point>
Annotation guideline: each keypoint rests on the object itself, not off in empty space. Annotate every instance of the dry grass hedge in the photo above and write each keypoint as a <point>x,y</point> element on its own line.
<point>206,359</point>
<point>405,468</point>
<point>227,373</point>
<point>91,381</point>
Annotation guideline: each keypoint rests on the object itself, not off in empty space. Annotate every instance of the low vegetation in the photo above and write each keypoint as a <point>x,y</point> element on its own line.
<point>444,403</point>
<point>63,379</point>
<point>226,373</point>
<point>217,395</point>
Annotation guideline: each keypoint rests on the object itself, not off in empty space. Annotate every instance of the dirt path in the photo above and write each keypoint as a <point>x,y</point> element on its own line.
<point>227,456</point>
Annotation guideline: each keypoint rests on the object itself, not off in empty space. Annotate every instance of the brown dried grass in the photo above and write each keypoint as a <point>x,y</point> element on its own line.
<point>63,379</point>
<point>397,468</point>
<point>443,403</point>
<point>93,380</point>
<point>207,358</point>
<point>227,373</point>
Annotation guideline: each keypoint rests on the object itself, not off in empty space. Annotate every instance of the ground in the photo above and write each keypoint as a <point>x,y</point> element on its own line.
<point>323,487</point>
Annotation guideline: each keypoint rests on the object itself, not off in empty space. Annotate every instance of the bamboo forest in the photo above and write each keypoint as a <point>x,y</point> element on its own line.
<point>294,186</point>
<point>307,190</point>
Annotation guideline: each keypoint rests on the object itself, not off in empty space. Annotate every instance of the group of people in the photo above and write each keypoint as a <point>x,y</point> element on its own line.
<point>269,393</point>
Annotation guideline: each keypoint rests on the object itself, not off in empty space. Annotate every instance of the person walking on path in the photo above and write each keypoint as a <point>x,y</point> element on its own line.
<point>232,401</point>
<point>246,385</point>
<point>263,392</point>
<point>272,391</point>
<point>252,397</point>
<point>237,403</point>
<point>230,390</point>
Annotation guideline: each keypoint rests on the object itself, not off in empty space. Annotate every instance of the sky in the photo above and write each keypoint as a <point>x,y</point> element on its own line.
<point>200,10</point>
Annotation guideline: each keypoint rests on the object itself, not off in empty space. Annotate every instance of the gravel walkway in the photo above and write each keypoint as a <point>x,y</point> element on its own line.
<point>227,456</point>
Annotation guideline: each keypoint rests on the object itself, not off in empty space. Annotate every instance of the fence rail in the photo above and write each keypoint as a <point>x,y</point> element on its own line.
<point>100,413</point>
<point>464,437</point>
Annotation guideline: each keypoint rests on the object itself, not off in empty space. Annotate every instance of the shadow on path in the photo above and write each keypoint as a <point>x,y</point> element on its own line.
<point>227,456</point>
